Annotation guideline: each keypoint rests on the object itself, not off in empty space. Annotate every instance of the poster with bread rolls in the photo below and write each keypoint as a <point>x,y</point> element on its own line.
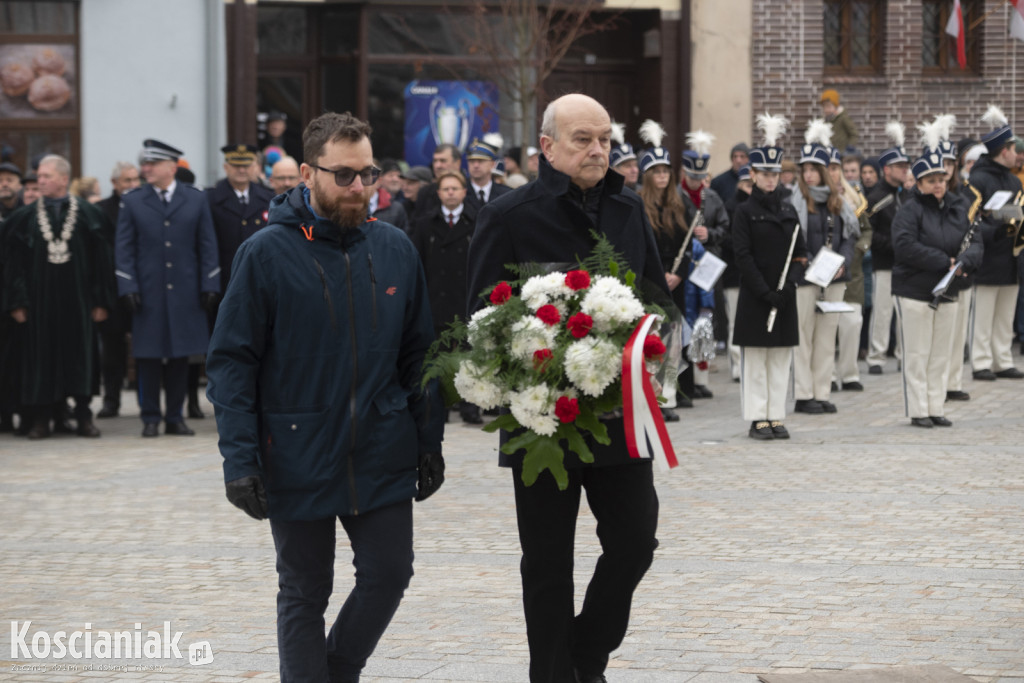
<point>37,81</point>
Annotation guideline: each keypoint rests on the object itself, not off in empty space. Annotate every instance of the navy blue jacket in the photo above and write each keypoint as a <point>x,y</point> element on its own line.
<point>167,255</point>
<point>314,365</point>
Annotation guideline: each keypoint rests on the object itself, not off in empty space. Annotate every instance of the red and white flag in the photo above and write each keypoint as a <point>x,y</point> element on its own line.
<point>955,28</point>
<point>1017,19</point>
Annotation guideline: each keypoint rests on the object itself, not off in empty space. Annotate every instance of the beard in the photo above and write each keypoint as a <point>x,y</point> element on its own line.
<point>345,213</point>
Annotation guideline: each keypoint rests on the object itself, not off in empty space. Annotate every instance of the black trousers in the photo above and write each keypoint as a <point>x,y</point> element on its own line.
<point>113,356</point>
<point>150,372</point>
<point>381,542</point>
<point>625,504</point>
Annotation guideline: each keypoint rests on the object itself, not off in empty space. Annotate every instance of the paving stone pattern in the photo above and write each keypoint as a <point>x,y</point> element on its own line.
<point>862,542</point>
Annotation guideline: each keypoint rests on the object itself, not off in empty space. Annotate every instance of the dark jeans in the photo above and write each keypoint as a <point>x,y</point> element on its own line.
<point>625,504</point>
<point>382,545</point>
<point>150,371</point>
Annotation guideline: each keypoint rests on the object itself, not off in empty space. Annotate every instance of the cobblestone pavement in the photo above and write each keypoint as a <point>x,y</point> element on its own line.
<point>862,542</point>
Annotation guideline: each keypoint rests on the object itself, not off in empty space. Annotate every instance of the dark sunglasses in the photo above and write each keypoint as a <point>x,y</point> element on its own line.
<point>344,176</point>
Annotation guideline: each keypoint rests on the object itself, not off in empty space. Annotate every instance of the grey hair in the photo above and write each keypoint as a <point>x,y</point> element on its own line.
<point>60,164</point>
<point>548,127</point>
<point>119,168</point>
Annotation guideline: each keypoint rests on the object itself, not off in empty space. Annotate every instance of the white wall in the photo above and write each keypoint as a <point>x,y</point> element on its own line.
<point>152,69</point>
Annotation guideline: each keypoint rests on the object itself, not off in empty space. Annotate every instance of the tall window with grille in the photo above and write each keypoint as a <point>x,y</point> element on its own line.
<point>854,32</point>
<point>938,49</point>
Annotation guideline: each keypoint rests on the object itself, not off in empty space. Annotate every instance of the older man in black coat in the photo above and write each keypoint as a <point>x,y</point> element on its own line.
<point>550,221</point>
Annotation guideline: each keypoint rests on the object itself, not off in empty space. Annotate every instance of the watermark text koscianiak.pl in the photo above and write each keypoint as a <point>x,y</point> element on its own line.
<point>102,644</point>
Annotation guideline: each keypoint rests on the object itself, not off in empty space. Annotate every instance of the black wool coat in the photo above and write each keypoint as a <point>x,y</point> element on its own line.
<point>234,223</point>
<point>542,222</point>
<point>762,229</point>
<point>444,252</point>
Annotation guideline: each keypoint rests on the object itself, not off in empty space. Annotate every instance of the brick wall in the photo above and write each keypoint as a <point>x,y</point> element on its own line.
<point>788,74</point>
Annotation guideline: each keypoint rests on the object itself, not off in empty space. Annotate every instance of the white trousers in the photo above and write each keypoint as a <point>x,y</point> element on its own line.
<point>732,297</point>
<point>849,345</point>
<point>927,340</point>
<point>955,381</point>
<point>881,318</point>
<point>992,334</point>
<point>815,357</point>
<point>764,382</point>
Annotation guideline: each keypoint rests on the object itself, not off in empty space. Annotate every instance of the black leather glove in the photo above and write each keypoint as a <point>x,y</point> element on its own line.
<point>247,494</point>
<point>209,301</point>
<point>776,299</point>
<point>431,475</point>
<point>132,302</point>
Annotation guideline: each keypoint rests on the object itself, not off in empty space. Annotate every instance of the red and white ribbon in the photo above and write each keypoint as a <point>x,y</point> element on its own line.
<point>644,424</point>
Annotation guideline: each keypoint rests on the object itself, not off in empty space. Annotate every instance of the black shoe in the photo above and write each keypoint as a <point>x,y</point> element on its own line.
<point>683,402</point>
<point>108,410</point>
<point>853,386</point>
<point>701,391</point>
<point>828,407</point>
<point>875,370</point>
<point>88,429</point>
<point>984,375</point>
<point>1010,373</point>
<point>925,422</point>
<point>809,406</point>
<point>471,414</point>
<point>940,421</point>
<point>178,429</point>
<point>761,430</point>
<point>40,430</point>
<point>779,430</point>
<point>151,429</point>
<point>957,396</point>
<point>669,415</point>
<point>195,412</point>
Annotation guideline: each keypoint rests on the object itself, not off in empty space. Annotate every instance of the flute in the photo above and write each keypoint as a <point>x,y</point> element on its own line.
<point>782,278</point>
<point>698,219</point>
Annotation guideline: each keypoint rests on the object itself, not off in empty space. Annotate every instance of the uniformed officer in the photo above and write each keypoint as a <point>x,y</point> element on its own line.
<point>167,274</point>
<point>239,208</point>
<point>481,158</point>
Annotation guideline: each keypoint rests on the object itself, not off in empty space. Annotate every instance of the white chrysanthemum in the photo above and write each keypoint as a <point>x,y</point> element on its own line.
<point>611,303</point>
<point>528,335</point>
<point>534,409</point>
<point>540,290</point>
<point>479,386</point>
<point>475,336</point>
<point>591,364</point>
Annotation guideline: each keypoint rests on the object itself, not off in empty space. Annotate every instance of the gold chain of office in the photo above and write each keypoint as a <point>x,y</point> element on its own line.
<point>57,249</point>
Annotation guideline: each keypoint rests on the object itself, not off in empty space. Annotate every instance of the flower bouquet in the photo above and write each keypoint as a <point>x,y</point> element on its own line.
<point>553,355</point>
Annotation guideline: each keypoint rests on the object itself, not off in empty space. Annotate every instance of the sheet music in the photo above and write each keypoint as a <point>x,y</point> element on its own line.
<point>707,271</point>
<point>822,270</point>
<point>834,307</point>
<point>944,282</point>
<point>998,200</point>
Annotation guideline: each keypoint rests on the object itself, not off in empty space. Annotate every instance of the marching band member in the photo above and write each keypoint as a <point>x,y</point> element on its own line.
<point>622,157</point>
<point>995,291</point>
<point>766,240</point>
<point>827,223</point>
<point>930,236</point>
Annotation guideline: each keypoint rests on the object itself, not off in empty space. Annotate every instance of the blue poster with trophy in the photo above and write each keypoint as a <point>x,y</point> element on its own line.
<point>453,112</point>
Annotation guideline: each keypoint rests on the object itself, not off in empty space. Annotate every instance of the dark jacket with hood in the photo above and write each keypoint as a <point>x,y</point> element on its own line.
<point>925,235</point>
<point>999,265</point>
<point>549,221</point>
<point>315,361</point>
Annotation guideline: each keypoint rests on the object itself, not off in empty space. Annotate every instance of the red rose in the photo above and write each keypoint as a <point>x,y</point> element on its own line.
<point>549,315</point>
<point>567,409</point>
<point>653,347</point>
<point>577,280</point>
<point>541,358</point>
<point>501,293</point>
<point>579,325</point>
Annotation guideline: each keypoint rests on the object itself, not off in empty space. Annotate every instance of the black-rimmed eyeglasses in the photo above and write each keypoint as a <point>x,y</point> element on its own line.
<point>344,176</point>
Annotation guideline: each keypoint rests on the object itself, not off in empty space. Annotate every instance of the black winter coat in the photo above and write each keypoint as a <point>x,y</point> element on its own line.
<point>444,252</point>
<point>731,276</point>
<point>925,236</point>
<point>543,222</point>
<point>881,224</point>
<point>762,230</point>
<point>235,223</point>
<point>999,265</point>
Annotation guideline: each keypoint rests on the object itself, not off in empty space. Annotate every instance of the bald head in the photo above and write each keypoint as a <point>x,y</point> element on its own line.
<point>284,175</point>
<point>575,138</point>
